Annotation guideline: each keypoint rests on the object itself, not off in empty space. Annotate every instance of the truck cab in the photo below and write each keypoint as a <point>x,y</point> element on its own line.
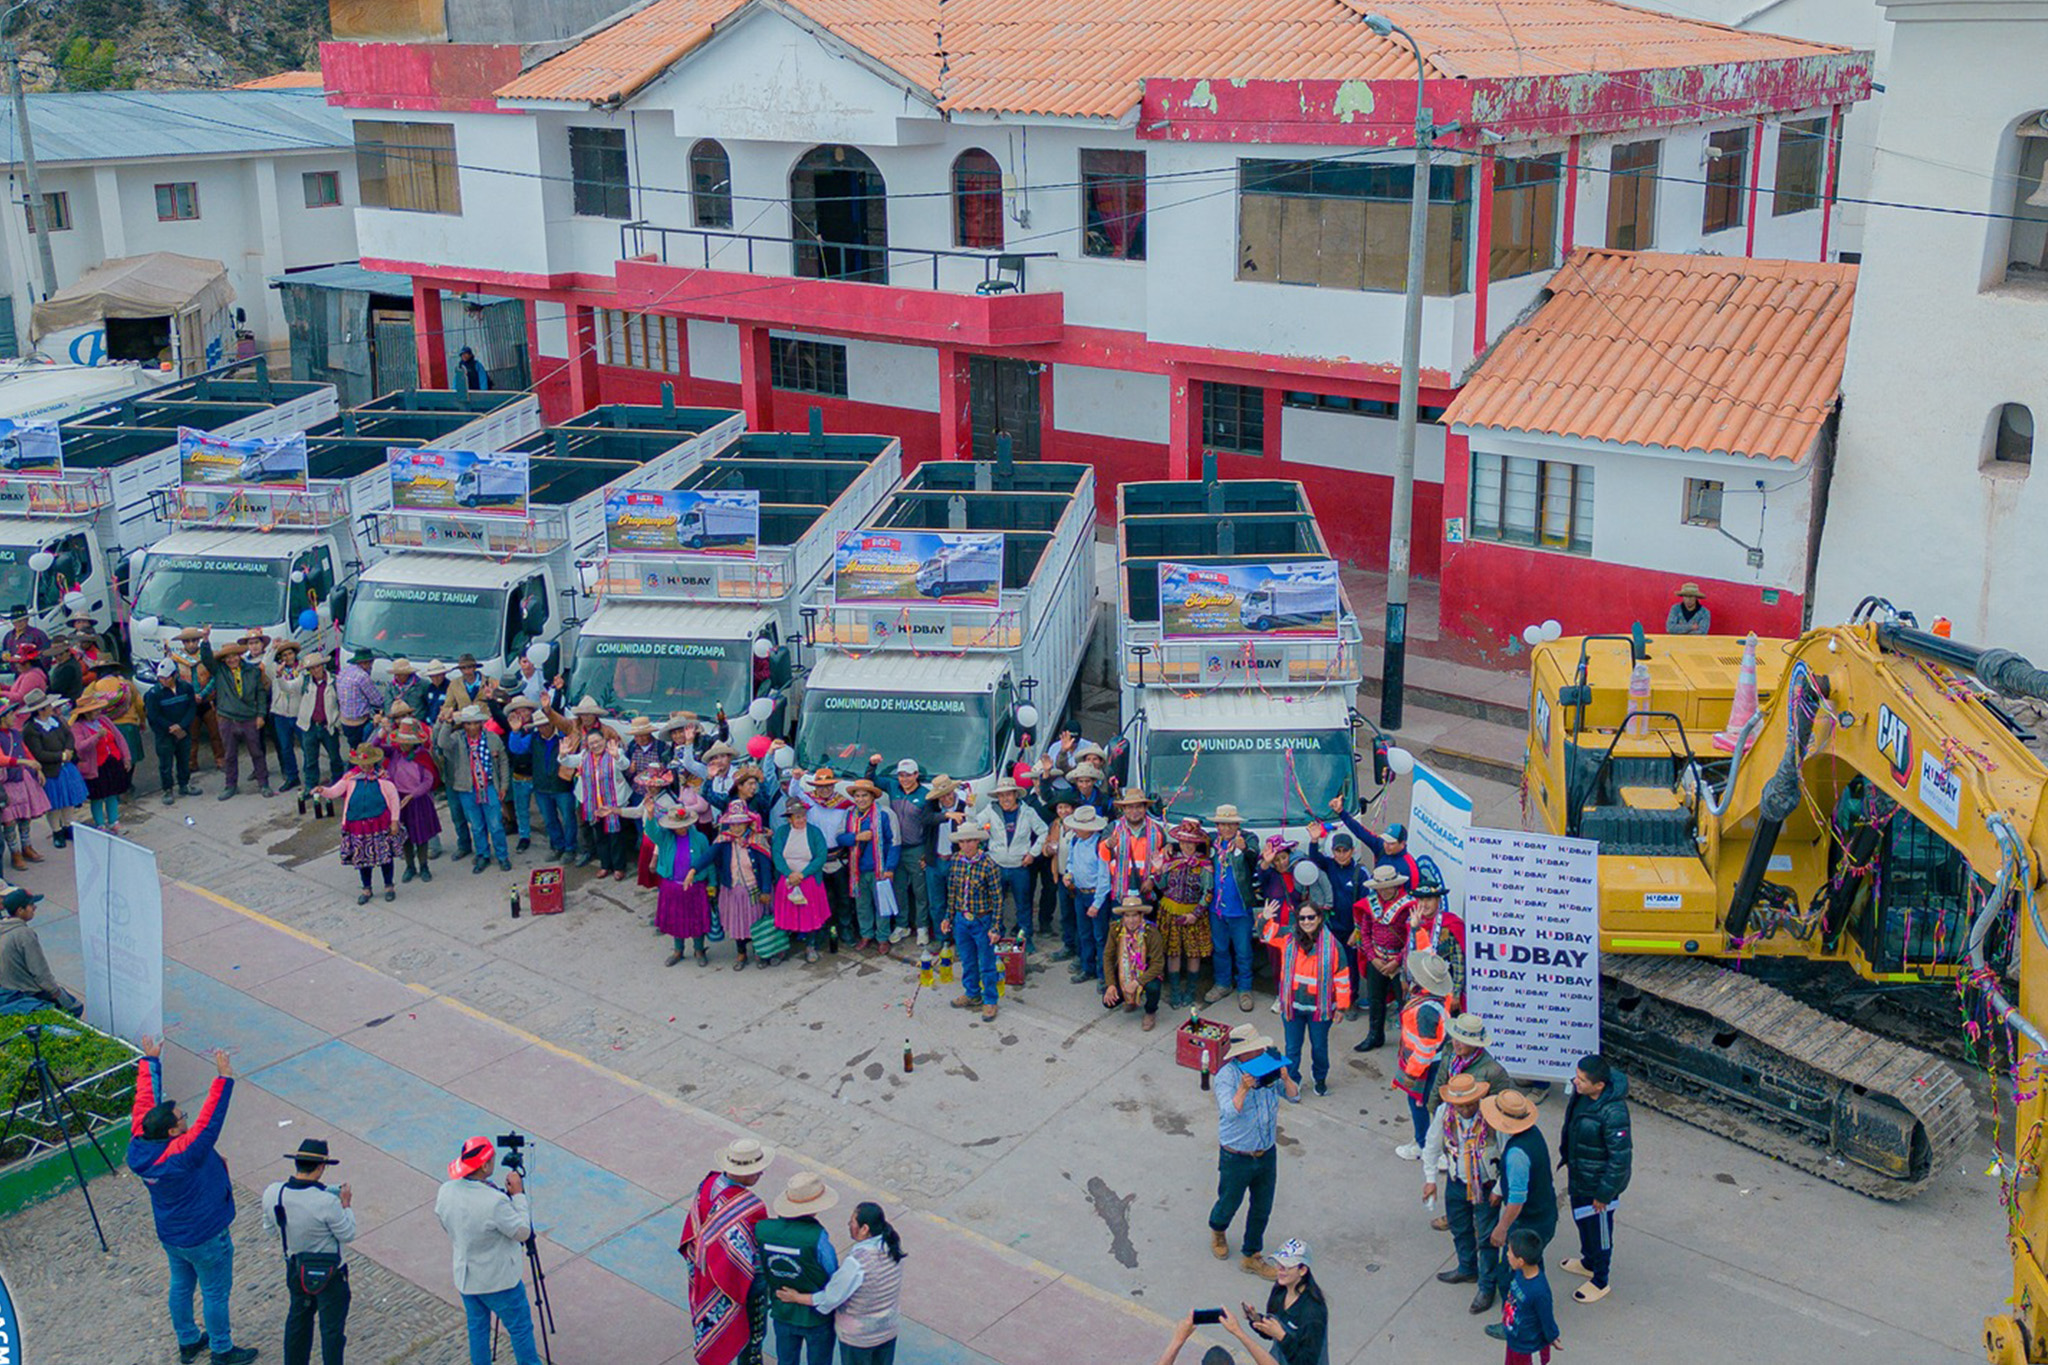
<point>431,605</point>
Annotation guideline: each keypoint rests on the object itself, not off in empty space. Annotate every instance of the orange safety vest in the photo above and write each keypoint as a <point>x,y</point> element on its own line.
<point>1418,1050</point>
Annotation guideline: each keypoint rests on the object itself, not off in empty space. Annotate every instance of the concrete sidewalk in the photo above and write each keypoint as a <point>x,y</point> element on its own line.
<point>396,1075</point>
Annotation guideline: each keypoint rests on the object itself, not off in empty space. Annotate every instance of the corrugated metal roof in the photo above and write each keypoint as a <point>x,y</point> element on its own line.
<point>348,275</point>
<point>141,125</point>
<point>1717,354</point>
<point>1089,58</point>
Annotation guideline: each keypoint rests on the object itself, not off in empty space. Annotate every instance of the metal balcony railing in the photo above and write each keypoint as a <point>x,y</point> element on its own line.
<point>984,272</point>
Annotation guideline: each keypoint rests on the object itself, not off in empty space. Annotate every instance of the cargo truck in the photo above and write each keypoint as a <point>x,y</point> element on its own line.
<point>680,632</point>
<point>1258,718</point>
<point>72,537</point>
<point>962,689</point>
<point>492,586</point>
<point>267,560</point>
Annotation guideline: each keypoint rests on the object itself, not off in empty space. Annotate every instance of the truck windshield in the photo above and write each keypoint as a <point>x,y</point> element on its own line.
<point>17,580</point>
<point>394,620</point>
<point>1193,773</point>
<point>945,734</point>
<point>202,590</point>
<point>656,677</point>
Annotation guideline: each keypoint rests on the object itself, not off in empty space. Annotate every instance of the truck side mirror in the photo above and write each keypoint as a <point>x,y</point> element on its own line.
<point>1120,763</point>
<point>781,668</point>
<point>337,606</point>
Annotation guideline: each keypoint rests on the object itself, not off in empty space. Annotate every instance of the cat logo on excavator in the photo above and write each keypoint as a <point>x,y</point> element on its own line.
<point>1895,741</point>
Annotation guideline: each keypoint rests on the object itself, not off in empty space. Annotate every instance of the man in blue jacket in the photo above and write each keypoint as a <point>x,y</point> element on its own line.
<point>193,1203</point>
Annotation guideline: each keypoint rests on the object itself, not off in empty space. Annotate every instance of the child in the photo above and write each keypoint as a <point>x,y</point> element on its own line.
<point>1528,1325</point>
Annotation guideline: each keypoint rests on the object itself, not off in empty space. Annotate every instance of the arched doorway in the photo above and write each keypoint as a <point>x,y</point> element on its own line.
<point>840,208</point>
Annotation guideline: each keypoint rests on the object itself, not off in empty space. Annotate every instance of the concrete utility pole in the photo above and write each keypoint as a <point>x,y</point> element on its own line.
<point>36,224</point>
<point>1400,534</point>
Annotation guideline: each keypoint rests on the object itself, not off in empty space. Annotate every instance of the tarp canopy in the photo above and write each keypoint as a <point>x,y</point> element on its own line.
<point>161,284</point>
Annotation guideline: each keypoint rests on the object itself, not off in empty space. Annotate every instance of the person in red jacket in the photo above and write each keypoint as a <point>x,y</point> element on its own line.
<point>192,1201</point>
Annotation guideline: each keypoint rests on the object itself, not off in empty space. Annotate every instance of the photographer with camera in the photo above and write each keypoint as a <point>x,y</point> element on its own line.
<point>313,1222</point>
<point>488,1227</point>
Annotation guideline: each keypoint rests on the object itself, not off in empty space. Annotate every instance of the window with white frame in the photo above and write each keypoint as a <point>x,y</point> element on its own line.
<point>1542,503</point>
<point>2027,230</point>
<point>1703,502</point>
<point>639,341</point>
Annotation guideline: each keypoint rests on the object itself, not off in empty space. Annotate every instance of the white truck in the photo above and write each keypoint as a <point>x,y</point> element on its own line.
<point>959,688</point>
<point>679,632</point>
<point>492,586</point>
<point>1264,721</point>
<point>288,562</point>
<point>71,537</point>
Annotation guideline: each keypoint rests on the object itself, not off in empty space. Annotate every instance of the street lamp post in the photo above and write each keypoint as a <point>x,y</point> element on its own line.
<point>1401,532</point>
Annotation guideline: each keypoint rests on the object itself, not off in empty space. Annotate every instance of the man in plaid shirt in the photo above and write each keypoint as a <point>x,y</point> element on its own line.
<point>974,895</point>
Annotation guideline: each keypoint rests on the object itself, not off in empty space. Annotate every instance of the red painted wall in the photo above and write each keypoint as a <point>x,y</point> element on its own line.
<point>421,76</point>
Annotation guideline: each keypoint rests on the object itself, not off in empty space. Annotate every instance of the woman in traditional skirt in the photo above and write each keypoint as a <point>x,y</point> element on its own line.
<point>49,740</point>
<point>104,760</point>
<point>682,907</point>
<point>801,909</point>
<point>412,773</point>
<point>744,874</point>
<point>368,801</point>
<point>657,798</point>
<point>1186,886</point>
<point>21,784</point>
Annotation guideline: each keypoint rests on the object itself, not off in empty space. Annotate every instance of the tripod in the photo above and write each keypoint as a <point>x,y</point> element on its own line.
<point>58,1111</point>
<point>543,1309</point>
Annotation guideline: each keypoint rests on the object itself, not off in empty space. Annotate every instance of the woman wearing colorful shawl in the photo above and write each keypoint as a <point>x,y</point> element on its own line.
<point>1314,989</point>
<point>413,774</point>
<point>104,760</point>
<point>368,802</point>
<point>604,789</point>
<point>1186,886</point>
<point>744,873</point>
<point>21,782</point>
<point>682,860</point>
<point>799,852</point>
<point>1133,960</point>
<point>728,1293</point>
<point>657,798</point>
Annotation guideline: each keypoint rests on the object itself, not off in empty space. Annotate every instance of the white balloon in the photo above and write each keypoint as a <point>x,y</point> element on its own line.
<point>1532,635</point>
<point>298,575</point>
<point>1027,716</point>
<point>74,600</point>
<point>1400,760</point>
<point>538,652</point>
<point>762,649</point>
<point>785,758</point>
<point>146,624</point>
<point>1552,630</point>
<point>760,709</point>
<point>41,561</point>
<point>1306,872</point>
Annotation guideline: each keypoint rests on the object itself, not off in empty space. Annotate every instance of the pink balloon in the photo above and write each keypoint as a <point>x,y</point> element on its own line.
<point>758,747</point>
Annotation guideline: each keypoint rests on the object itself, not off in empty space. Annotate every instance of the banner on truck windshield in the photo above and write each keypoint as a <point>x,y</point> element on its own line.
<point>1296,598</point>
<point>484,482</point>
<point>30,450</point>
<point>919,569</point>
<point>670,521</point>
<point>209,461</point>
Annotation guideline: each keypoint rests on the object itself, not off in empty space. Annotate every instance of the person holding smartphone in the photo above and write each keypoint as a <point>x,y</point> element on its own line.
<point>1297,1317</point>
<point>1216,1355</point>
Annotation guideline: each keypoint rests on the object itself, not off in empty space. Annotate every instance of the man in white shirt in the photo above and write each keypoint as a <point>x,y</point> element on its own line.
<point>488,1227</point>
<point>312,1219</point>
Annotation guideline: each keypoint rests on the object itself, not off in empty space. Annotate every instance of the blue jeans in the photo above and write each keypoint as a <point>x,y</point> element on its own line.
<point>509,1307</point>
<point>314,738</point>
<point>1017,882</point>
<point>934,890</point>
<point>485,822</point>
<point>977,953</point>
<point>208,1267</point>
<point>1470,1214</point>
<point>522,805</point>
<point>286,729</point>
<point>558,815</point>
<point>1233,951</point>
<point>1318,1035</point>
<point>1091,932</point>
<point>1070,932</point>
<point>804,1345</point>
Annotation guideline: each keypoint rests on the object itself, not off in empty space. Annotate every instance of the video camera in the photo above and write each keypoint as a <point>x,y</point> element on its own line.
<point>511,1151</point>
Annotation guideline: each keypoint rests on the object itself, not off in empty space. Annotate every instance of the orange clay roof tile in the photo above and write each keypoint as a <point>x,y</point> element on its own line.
<point>1090,58</point>
<point>1706,353</point>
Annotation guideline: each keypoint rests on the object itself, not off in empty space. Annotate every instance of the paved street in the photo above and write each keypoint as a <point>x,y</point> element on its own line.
<point>1052,1169</point>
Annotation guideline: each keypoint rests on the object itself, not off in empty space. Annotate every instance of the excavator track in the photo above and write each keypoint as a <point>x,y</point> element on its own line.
<point>1730,1054</point>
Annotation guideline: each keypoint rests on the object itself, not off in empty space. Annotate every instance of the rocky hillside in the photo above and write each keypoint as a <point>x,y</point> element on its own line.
<point>165,44</point>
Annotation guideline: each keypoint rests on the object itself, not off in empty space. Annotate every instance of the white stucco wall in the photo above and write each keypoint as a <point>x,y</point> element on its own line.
<point>1357,442</point>
<point>1940,342</point>
<point>1114,403</point>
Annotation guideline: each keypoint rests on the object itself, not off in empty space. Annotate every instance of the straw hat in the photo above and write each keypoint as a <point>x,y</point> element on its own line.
<point>435,669</point>
<point>1006,787</point>
<point>805,1196</point>
<point>861,784</point>
<point>824,777</point>
<point>677,819</point>
<point>743,1156</point>
<point>1387,875</point>
<point>943,787</point>
<point>400,665</point>
<point>1226,814</point>
<point>408,732</point>
<point>587,707</point>
<point>1464,1088</point>
<point>472,715</point>
<point>1134,797</point>
<point>970,830</point>
<point>521,704</point>
<point>1430,972</point>
<point>641,728</point>
<point>1251,1045</point>
<point>720,750</point>
<point>1132,904</point>
<point>1469,1029</point>
<point>1509,1112</point>
<point>191,635</point>
<point>398,710</point>
<point>1084,820</point>
<point>1087,770</point>
<point>366,756</point>
<point>230,650</point>
<point>1688,589</point>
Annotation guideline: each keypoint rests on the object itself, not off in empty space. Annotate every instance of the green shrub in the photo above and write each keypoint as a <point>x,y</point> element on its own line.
<point>72,1061</point>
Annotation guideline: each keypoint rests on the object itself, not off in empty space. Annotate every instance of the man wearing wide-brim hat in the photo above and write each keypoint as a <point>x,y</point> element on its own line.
<point>974,898</point>
<point>1249,1086</point>
<point>1689,614</point>
<point>1461,1157</point>
<point>728,1293</point>
<point>797,1254</point>
<point>1383,939</point>
<point>1425,1020</point>
<point>1016,832</point>
<point>873,848</point>
<point>1466,1053</point>
<point>1086,885</point>
<point>477,770</point>
<point>241,703</point>
<point>1528,1195</point>
<point>1135,842</point>
<point>312,1219</point>
<point>1233,907</point>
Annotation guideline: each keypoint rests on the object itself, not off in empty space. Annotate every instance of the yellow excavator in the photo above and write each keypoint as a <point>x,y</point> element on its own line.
<point>1791,901</point>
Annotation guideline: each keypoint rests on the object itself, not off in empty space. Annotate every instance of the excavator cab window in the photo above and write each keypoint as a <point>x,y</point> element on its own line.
<point>1914,912</point>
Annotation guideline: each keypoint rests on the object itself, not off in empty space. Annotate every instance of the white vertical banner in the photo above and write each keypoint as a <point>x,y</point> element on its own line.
<point>1532,947</point>
<point>121,933</point>
<point>1438,816</point>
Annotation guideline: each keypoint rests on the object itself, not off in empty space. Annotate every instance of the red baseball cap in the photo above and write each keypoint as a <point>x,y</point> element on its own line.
<point>476,1154</point>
